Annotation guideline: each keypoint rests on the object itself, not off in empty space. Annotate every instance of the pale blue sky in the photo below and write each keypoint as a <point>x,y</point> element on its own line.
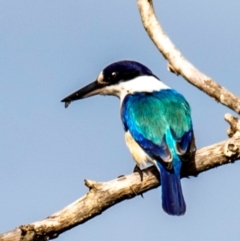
<point>48,49</point>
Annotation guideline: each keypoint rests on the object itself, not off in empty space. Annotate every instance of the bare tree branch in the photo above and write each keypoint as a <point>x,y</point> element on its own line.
<point>178,64</point>
<point>104,195</point>
<point>234,122</point>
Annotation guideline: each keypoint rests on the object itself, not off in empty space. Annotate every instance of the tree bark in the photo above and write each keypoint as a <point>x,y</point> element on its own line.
<point>178,64</point>
<point>103,195</point>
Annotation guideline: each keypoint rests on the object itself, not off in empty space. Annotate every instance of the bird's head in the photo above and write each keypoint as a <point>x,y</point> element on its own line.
<point>119,79</point>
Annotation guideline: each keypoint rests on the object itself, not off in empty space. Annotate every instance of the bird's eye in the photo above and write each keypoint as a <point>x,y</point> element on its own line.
<point>112,77</point>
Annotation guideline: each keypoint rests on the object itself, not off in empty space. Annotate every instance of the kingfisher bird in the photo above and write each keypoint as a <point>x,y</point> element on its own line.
<point>156,120</point>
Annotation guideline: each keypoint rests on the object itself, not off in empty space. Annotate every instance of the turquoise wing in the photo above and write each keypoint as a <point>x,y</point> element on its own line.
<point>160,122</point>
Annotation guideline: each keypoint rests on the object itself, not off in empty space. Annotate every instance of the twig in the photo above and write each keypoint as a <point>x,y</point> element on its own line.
<point>102,196</point>
<point>178,64</point>
<point>234,122</point>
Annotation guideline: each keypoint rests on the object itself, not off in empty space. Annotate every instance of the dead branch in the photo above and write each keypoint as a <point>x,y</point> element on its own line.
<point>178,64</point>
<point>103,195</point>
<point>234,122</point>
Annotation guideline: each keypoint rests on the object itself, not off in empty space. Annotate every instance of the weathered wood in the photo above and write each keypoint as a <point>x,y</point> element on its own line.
<point>178,64</point>
<point>104,195</point>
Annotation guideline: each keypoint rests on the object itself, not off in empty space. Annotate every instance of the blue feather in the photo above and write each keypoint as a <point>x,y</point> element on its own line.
<point>160,122</point>
<point>157,121</point>
<point>172,198</point>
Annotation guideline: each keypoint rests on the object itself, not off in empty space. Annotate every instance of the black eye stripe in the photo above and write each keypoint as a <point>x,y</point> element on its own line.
<point>123,71</point>
<point>119,77</point>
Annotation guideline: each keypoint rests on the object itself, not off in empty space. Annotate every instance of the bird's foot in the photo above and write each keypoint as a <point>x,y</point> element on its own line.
<point>140,172</point>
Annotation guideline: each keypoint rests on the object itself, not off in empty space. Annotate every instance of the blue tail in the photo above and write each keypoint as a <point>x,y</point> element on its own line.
<point>172,198</point>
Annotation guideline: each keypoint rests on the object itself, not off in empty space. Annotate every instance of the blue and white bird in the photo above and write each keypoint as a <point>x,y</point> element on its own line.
<point>157,123</point>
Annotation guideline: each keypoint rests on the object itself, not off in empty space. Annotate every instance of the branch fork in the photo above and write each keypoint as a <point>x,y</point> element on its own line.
<point>104,195</point>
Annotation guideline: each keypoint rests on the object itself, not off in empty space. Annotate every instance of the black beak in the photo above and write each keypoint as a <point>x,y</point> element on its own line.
<point>92,89</point>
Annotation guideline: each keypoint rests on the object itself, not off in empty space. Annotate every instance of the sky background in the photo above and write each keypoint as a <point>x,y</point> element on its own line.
<point>50,48</point>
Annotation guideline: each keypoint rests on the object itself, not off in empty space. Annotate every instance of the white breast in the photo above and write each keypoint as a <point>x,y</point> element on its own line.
<point>139,84</point>
<point>138,154</point>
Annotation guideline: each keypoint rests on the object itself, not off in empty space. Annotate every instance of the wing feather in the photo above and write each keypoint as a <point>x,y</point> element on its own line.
<point>160,122</point>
